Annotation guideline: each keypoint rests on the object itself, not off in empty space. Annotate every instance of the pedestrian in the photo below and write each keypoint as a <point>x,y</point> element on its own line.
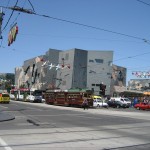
<point>135,101</point>
<point>85,104</point>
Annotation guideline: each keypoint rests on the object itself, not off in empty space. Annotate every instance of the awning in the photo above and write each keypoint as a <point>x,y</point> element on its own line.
<point>146,93</point>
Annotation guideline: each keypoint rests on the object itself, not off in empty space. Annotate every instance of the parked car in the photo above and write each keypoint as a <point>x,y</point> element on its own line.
<point>12,97</point>
<point>122,99</point>
<point>30,98</point>
<point>98,102</point>
<point>143,106</point>
<point>117,104</point>
<point>4,98</point>
<point>126,100</point>
<point>39,99</point>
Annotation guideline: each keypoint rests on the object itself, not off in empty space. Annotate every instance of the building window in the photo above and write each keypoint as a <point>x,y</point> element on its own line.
<point>108,73</point>
<point>99,60</point>
<point>97,84</point>
<point>91,71</point>
<point>91,61</point>
<point>93,84</point>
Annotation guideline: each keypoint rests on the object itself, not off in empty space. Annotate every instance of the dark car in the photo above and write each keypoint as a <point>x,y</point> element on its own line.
<point>117,104</point>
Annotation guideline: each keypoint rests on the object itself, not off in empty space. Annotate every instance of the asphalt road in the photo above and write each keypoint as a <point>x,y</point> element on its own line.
<point>44,127</point>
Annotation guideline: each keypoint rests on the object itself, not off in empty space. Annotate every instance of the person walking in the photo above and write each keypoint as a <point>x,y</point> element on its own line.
<point>85,104</point>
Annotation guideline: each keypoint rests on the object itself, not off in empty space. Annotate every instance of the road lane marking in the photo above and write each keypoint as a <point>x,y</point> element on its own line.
<point>5,145</point>
<point>31,108</point>
<point>3,106</point>
<point>76,115</point>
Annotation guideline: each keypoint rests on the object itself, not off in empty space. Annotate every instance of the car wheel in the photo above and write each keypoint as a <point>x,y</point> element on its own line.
<point>98,105</point>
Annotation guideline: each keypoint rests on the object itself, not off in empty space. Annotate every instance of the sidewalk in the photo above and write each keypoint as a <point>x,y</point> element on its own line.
<point>6,116</point>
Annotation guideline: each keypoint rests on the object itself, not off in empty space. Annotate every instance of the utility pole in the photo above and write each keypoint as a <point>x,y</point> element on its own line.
<point>1,20</point>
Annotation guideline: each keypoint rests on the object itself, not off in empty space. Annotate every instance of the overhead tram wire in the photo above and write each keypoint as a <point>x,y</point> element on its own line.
<point>134,56</point>
<point>148,4</point>
<point>17,8</point>
<point>10,16</point>
<point>13,12</point>
<point>17,16</point>
<point>31,5</point>
<point>7,5</point>
<point>93,27</point>
<point>8,21</point>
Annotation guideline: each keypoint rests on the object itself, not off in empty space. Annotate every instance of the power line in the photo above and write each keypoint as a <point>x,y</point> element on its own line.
<point>7,4</point>
<point>16,8</point>
<point>132,56</point>
<point>9,17</point>
<point>0,29</point>
<point>15,20</point>
<point>148,4</point>
<point>124,58</point>
<point>133,68</point>
<point>93,27</point>
<point>76,37</point>
<point>31,5</point>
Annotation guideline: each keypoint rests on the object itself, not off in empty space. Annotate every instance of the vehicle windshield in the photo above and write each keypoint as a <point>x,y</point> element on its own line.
<point>127,100</point>
<point>5,95</point>
<point>118,102</point>
<point>99,99</point>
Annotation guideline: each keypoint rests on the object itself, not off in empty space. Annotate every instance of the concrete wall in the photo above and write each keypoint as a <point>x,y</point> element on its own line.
<point>99,70</point>
<point>75,76</point>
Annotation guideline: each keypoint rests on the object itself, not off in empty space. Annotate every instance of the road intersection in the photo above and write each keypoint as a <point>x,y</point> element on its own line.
<point>44,127</point>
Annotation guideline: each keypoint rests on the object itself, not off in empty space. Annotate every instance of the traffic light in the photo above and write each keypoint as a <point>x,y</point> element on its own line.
<point>102,89</point>
<point>101,86</point>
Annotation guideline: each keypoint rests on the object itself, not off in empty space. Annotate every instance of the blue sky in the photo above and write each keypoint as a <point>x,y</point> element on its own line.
<point>37,34</point>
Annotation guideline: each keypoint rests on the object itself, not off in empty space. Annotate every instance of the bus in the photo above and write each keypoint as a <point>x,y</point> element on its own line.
<point>72,97</point>
<point>19,94</point>
<point>4,98</point>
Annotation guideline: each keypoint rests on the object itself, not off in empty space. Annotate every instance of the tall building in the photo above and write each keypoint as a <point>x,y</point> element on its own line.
<point>74,68</point>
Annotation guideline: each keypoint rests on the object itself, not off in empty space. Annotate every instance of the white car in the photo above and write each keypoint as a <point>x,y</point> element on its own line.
<point>122,99</point>
<point>30,98</point>
<point>98,102</point>
<point>12,97</point>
